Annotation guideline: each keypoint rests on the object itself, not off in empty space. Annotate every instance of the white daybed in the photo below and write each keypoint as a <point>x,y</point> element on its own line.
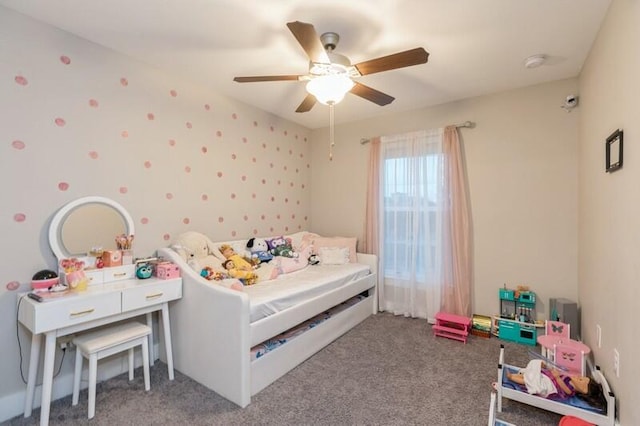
<point>571,407</point>
<point>213,333</point>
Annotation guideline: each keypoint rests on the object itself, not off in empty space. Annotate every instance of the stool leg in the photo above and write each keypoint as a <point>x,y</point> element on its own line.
<point>145,363</point>
<point>131,364</point>
<point>76,377</point>
<point>93,370</point>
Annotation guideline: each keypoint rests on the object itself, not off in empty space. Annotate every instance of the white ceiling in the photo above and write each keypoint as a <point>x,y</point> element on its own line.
<point>476,46</point>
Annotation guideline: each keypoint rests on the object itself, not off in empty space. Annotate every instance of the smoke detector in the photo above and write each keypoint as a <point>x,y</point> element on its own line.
<point>534,61</point>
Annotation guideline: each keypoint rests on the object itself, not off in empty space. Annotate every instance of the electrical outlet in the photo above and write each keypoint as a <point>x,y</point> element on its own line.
<point>599,335</point>
<point>616,362</point>
<point>64,342</point>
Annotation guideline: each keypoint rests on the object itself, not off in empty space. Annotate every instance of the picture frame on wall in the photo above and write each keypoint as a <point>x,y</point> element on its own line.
<point>613,151</point>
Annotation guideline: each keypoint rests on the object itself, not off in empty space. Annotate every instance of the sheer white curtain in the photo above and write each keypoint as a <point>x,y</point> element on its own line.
<point>411,207</point>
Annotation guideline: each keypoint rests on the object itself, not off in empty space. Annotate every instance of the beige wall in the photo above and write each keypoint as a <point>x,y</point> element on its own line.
<point>609,207</point>
<point>522,169</point>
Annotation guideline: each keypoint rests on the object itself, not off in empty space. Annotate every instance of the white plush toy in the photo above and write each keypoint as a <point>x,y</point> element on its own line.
<point>197,249</point>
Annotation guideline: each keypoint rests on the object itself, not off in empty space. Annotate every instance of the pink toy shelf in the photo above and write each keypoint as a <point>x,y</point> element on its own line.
<point>452,326</point>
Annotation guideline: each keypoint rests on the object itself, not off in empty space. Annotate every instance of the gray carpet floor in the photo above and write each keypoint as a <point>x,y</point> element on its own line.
<point>388,370</point>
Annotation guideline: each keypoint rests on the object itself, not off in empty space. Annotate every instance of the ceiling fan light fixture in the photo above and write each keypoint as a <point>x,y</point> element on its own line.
<point>329,89</point>
<point>535,61</point>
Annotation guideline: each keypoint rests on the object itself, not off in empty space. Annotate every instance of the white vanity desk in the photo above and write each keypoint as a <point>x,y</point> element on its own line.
<point>100,304</point>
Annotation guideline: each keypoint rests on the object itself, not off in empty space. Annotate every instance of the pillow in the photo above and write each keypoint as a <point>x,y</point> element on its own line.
<point>346,242</point>
<point>333,255</point>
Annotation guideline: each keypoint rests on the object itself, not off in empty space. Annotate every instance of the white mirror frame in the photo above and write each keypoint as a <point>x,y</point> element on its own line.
<point>55,228</point>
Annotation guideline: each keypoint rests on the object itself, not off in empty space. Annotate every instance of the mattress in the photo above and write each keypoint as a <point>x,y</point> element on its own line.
<point>269,297</point>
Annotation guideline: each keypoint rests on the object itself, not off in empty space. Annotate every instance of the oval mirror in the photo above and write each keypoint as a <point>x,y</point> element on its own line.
<point>86,223</point>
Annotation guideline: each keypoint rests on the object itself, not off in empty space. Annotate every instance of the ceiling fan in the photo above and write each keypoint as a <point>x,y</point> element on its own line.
<point>331,74</point>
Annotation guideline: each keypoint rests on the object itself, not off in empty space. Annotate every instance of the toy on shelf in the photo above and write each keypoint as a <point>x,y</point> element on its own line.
<point>517,320</point>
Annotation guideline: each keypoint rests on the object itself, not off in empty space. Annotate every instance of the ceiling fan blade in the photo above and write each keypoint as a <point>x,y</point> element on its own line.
<point>307,103</point>
<point>370,94</point>
<point>309,40</point>
<point>397,60</point>
<point>266,78</point>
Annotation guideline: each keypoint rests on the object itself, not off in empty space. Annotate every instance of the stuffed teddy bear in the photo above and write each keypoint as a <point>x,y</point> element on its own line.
<point>259,249</point>
<point>197,250</point>
<point>281,246</point>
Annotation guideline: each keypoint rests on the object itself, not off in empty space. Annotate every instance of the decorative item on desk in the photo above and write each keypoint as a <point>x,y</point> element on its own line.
<point>44,280</point>
<point>144,270</point>
<point>124,243</point>
<point>167,270</point>
<point>112,258</point>
<point>74,275</point>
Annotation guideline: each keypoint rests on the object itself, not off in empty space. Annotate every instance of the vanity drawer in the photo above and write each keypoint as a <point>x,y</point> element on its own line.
<point>145,295</point>
<point>125,272</point>
<point>75,310</point>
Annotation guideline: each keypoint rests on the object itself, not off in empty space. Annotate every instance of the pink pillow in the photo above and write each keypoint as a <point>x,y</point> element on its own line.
<point>347,242</point>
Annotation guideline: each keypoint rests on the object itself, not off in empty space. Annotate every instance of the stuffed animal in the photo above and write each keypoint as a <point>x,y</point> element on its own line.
<point>281,246</point>
<point>314,259</point>
<point>197,250</point>
<point>247,277</point>
<point>259,249</point>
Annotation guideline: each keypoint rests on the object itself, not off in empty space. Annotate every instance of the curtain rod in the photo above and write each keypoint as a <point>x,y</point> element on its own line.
<point>467,124</point>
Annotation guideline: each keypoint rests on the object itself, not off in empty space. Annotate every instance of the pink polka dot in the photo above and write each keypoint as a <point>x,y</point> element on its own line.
<point>264,181</point>
<point>219,134</point>
<point>278,148</point>
<point>293,216</point>
<point>207,107</point>
<point>285,133</point>
<point>60,122</point>
<point>124,134</point>
<point>173,93</point>
<point>273,198</point>
<point>187,169</point>
<point>298,202</point>
<point>286,200</point>
<point>204,149</point>
<point>302,186</point>
<point>21,80</point>
<point>271,229</point>
<point>147,164</point>
<point>255,232</point>
<point>166,237</point>
<point>186,220</point>
<point>18,144</point>
<point>233,156</point>
<point>233,196</point>
<point>204,197</point>
<point>286,228</point>
<point>271,128</point>
<point>144,220</point>
<point>299,226</point>
<point>264,145</point>
<point>271,165</point>
<point>188,125</point>
<point>291,184</point>
<point>219,174</point>
<point>297,170</point>
<point>124,82</point>
<point>305,139</point>
<point>278,181</point>
<point>233,233</point>
<point>169,196</point>
<point>296,136</point>
<point>244,178</point>
<point>254,159</point>
<point>305,218</point>
<point>221,219</point>
<point>278,216</point>
<point>308,165</point>
<point>151,116</point>
<point>255,124</point>
<point>234,116</point>
<point>263,217</point>
<point>12,285</point>
<point>93,155</point>
<point>253,195</point>
<point>19,217</point>
<point>93,103</point>
<point>172,142</point>
<point>290,152</point>
<point>63,186</point>
<point>123,189</point>
<point>65,60</point>
<point>244,140</point>
<point>301,155</point>
<point>245,217</point>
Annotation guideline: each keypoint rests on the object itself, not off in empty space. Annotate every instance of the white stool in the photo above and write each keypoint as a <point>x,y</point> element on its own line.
<point>101,343</point>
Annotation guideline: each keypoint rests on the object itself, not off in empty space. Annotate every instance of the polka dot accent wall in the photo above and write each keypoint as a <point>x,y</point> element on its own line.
<point>80,120</point>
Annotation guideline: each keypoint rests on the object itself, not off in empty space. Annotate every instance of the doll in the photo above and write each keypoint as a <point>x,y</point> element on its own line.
<point>240,262</point>
<point>247,277</point>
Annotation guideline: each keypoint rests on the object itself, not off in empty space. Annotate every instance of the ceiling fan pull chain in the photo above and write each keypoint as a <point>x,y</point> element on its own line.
<point>332,141</point>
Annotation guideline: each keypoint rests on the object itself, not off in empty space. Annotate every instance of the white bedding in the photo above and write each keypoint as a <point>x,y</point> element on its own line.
<point>269,297</point>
